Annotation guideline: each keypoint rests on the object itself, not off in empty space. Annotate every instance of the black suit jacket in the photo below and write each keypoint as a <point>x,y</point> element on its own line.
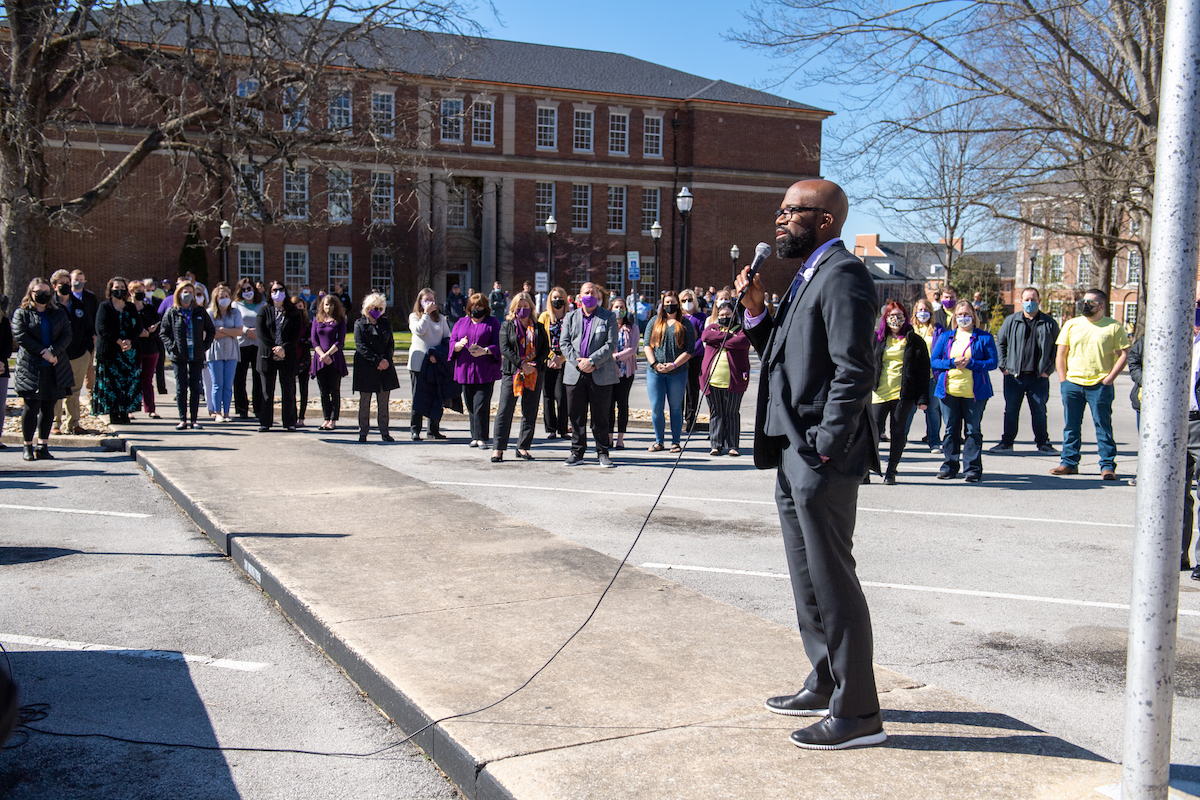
<point>290,332</point>
<point>818,370</point>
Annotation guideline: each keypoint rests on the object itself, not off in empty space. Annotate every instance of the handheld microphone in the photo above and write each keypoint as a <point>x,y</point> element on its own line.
<point>761,253</point>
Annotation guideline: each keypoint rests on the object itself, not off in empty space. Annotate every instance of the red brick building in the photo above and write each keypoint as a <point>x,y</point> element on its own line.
<point>478,156</point>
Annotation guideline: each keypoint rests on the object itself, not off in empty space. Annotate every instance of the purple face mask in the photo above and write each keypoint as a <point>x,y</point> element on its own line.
<point>375,313</point>
<point>278,297</point>
<point>523,313</point>
<point>588,301</point>
<point>948,304</point>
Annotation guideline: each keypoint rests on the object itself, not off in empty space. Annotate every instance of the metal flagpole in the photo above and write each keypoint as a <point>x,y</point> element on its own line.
<point>1170,298</point>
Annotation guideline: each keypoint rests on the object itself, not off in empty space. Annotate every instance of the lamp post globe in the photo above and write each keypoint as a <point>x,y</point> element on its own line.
<point>656,234</point>
<point>734,252</point>
<point>226,233</point>
<point>683,201</point>
<point>551,229</point>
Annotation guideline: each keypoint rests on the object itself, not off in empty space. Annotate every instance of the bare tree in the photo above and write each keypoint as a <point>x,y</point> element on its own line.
<point>224,88</point>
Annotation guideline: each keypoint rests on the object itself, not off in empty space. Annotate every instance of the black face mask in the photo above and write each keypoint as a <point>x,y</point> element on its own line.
<point>64,289</point>
<point>1087,307</point>
<point>671,308</point>
<point>478,313</point>
<point>42,298</point>
<point>139,296</point>
<point>558,302</point>
<point>724,322</point>
<point>119,294</point>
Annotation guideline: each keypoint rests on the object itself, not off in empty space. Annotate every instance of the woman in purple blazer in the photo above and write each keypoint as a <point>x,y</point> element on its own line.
<point>328,336</point>
<point>475,356</point>
<point>724,379</point>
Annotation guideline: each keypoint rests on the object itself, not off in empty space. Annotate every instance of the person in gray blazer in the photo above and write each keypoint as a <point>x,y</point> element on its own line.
<point>814,426</point>
<point>589,344</point>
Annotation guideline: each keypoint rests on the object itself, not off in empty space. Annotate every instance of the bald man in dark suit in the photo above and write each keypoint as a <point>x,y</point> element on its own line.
<point>814,426</point>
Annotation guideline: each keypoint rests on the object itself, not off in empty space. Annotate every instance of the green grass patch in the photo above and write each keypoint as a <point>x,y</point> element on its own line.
<point>402,339</point>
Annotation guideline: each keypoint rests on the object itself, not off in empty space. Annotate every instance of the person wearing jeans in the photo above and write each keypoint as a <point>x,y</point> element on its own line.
<point>668,350</point>
<point>1027,353</point>
<point>187,332</point>
<point>224,354</point>
<point>963,358</point>
<point>1092,350</point>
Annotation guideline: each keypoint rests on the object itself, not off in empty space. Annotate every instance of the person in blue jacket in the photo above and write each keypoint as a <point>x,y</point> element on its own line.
<point>962,358</point>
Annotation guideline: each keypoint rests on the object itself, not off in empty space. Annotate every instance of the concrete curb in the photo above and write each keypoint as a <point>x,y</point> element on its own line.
<point>110,444</point>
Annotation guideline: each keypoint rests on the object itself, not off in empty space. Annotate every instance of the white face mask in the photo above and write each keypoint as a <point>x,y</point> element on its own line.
<point>965,322</point>
<point>689,306</point>
<point>223,302</point>
<point>923,316</point>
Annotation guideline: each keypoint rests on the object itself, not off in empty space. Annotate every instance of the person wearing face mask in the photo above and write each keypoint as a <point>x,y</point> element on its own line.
<point>6,351</point>
<point>924,326</point>
<point>1092,350</point>
<point>724,376</point>
<point>589,342</point>
<point>279,327</point>
<point>42,332</point>
<point>83,335</point>
<point>303,358</point>
<point>524,347</point>
<point>90,305</point>
<point>248,301</point>
<point>475,356</point>
<point>1026,343</point>
<point>224,353</point>
<point>694,315</point>
<point>901,379</point>
<point>147,343</point>
<point>669,347</point>
<point>187,332</point>
<point>554,391</point>
<point>160,366</point>
<point>374,370</point>
<point>118,390</point>
<point>944,313</point>
<point>328,336</point>
<point>963,358</point>
<point>429,327</point>
<point>628,341</point>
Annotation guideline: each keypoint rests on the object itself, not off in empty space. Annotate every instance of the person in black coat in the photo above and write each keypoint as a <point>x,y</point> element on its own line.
<point>187,331</point>
<point>118,390</point>
<point>374,372</point>
<point>279,328</point>
<point>524,348</point>
<point>81,311</point>
<point>901,379</point>
<point>42,332</point>
<point>6,351</point>
<point>148,344</point>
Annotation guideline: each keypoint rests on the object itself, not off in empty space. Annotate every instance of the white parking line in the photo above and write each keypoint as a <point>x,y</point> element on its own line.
<point>77,511</point>
<point>1087,523</point>
<point>912,588</point>
<point>160,655</point>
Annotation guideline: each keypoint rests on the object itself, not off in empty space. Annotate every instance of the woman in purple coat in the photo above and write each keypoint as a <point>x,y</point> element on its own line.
<point>328,366</point>
<point>724,378</point>
<point>475,356</point>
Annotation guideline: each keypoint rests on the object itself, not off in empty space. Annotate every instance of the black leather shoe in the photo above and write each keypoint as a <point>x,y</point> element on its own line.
<point>840,733</point>
<point>416,436</point>
<point>43,453</point>
<point>974,477</point>
<point>526,456</point>
<point>573,460</point>
<point>387,437</point>
<point>946,475</point>
<point>889,478</point>
<point>801,704</point>
<point>436,435</point>
<point>1196,574</point>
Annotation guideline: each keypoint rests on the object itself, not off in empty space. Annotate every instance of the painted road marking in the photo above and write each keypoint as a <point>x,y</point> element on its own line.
<point>159,655</point>
<point>77,511</point>
<point>912,588</point>
<point>1086,523</point>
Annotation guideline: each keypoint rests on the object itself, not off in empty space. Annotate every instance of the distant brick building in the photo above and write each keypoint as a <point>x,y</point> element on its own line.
<point>601,140</point>
<point>909,270</point>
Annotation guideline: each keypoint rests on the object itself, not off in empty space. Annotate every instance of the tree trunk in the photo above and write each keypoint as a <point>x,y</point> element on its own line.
<point>24,229</point>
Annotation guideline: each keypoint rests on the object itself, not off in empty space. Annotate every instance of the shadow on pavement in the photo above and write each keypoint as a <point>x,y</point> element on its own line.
<point>1017,745</point>
<point>10,556</point>
<point>980,719</point>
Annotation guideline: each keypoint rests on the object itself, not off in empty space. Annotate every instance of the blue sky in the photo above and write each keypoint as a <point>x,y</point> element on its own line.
<point>685,36</point>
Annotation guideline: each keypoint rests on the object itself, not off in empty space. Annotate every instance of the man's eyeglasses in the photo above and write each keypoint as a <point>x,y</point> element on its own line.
<point>788,211</point>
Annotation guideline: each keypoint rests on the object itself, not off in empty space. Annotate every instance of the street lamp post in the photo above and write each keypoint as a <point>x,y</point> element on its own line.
<point>226,233</point>
<point>733,256</point>
<point>551,229</point>
<point>683,201</point>
<point>656,235</point>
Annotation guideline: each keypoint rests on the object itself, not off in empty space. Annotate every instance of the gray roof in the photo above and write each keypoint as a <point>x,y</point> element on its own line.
<point>910,261</point>
<point>1007,259</point>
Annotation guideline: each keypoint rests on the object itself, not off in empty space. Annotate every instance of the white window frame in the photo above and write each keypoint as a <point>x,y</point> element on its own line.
<point>581,207</point>
<point>649,278</point>
<point>614,266</point>
<point>483,123</point>
<point>247,204</point>
<point>650,121</point>
<point>583,134</point>
<point>383,112</point>
<point>1133,276</point>
<point>295,193</point>
<point>383,274</point>
<point>338,197</point>
<point>452,120</point>
<point>616,209</point>
<point>341,116</point>
<point>1131,318</point>
<point>295,267</point>
<point>656,192</point>
<point>335,258</point>
<point>246,87</point>
<point>456,206</point>
<point>546,130</point>
<point>295,119</point>
<point>250,262</point>
<point>618,134</point>
<point>1054,268</point>
<point>538,206</point>
<point>1083,265</point>
<point>380,180</point>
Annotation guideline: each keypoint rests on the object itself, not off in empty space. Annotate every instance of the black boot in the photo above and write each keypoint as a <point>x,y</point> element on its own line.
<point>28,454</point>
<point>43,453</point>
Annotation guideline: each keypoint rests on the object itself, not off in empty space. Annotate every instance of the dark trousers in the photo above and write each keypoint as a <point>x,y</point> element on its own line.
<point>1034,389</point>
<point>620,413</point>
<point>507,406</point>
<point>899,413</point>
<point>583,397</point>
<point>691,400</point>
<point>933,418</point>
<point>724,418</point>
<point>329,383</point>
<point>1193,464</point>
<point>189,385</point>
<point>817,514</point>
<point>382,416</point>
<point>160,369</point>
<point>417,420</point>
<point>286,373</point>
<point>38,415</point>
<point>963,417</point>
<point>554,403</point>
<point>302,377</point>
<point>479,408</point>
<point>149,368</point>
<point>247,363</point>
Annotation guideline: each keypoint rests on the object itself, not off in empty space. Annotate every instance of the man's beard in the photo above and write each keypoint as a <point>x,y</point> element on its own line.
<point>796,245</point>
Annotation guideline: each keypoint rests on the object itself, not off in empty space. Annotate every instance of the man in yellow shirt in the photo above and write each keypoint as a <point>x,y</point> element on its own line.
<point>1092,349</point>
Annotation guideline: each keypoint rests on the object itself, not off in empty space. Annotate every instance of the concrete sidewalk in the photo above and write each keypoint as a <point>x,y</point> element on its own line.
<point>436,606</point>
